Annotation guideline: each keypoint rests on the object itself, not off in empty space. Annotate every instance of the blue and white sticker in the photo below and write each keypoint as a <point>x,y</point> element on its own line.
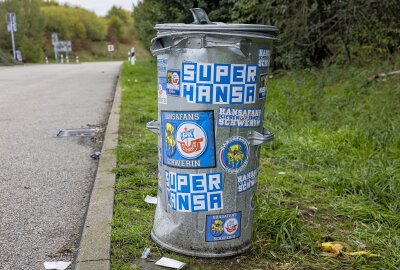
<point>162,90</point>
<point>161,64</point>
<point>239,117</point>
<point>207,83</point>
<point>262,92</point>
<point>173,83</point>
<point>247,180</point>
<point>188,139</point>
<point>263,57</point>
<point>194,192</point>
<point>223,227</point>
<point>234,154</point>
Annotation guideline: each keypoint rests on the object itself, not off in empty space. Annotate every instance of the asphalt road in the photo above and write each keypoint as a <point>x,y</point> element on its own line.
<point>45,180</point>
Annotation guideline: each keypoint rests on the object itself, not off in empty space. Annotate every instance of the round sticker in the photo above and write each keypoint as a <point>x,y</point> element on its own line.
<point>191,140</point>
<point>234,154</point>
<point>231,226</point>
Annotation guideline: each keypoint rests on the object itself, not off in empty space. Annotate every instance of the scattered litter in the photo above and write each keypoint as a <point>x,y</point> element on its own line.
<point>59,265</point>
<point>78,132</point>
<point>281,173</point>
<point>171,263</point>
<point>145,253</point>
<point>150,199</point>
<point>95,155</point>
<point>333,249</point>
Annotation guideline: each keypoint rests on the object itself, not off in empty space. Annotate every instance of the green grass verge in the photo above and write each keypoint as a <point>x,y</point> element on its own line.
<point>332,173</point>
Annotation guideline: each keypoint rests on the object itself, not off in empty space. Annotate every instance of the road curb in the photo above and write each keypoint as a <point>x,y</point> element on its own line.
<point>94,248</point>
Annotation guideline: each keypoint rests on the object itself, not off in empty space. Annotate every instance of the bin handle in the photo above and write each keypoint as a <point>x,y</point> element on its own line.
<point>257,138</point>
<point>157,47</point>
<point>200,16</point>
<point>153,126</point>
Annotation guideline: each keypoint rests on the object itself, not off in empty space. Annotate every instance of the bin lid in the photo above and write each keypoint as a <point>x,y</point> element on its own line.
<point>203,24</point>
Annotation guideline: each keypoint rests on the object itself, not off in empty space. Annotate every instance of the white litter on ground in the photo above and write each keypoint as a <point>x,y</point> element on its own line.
<point>150,199</point>
<point>171,263</point>
<point>146,253</point>
<point>59,265</point>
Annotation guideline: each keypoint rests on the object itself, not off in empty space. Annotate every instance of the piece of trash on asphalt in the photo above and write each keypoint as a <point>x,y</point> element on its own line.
<point>145,253</point>
<point>59,265</point>
<point>150,199</point>
<point>95,155</point>
<point>333,249</point>
<point>78,132</point>
<point>171,263</point>
<point>281,173</point>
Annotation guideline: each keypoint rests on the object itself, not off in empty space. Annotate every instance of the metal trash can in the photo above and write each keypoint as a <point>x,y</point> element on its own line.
<point>212,87</point>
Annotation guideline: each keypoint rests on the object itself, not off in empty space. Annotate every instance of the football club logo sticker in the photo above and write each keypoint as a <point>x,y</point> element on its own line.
<point>188,139</point>
<point>234,154</point>
<point>192,140</point>
<point>223,227</point>
<point>173,83</point>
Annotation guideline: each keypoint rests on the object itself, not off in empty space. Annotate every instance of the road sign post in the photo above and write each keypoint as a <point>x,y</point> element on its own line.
<point>12,27</point>
<point>54,41</point>
<point>110,49</point>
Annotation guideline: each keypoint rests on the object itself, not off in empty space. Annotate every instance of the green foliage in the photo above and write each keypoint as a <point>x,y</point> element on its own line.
<point>30,25</point>
<point>312,31</point>
<point>73,23</point>
<point>37,19</point>
<point>120,25</point>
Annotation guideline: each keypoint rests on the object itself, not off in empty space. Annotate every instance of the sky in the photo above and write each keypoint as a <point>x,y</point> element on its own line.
<point>100,7</point>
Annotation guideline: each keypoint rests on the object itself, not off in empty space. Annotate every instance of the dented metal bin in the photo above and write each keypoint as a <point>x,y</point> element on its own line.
<point>212,87</point>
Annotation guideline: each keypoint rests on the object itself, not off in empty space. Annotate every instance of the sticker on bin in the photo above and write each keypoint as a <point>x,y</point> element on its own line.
<point>188,139</point>
<point>194,192</point>
<point>234,154</point>
<point>263,57</point>
<point>173,83</point>
<point>262,92</point>
<point>162,90</point>
<point>208,83</point>
<point>247,180</point>
<point>162,65</point>
<point>237,117</point>
<point>223,227</point>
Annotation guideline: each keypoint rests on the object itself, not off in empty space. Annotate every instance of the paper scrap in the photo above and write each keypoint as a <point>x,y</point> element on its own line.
<point>171,263</point>
<point>282,173</point>
<point>59,265</point>
<point>150,199</point>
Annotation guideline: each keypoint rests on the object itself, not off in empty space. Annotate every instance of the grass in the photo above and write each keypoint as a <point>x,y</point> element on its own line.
<point>332,173</point>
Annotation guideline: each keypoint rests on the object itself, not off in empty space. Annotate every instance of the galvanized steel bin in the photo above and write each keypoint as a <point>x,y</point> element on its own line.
<point>212,87</point>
